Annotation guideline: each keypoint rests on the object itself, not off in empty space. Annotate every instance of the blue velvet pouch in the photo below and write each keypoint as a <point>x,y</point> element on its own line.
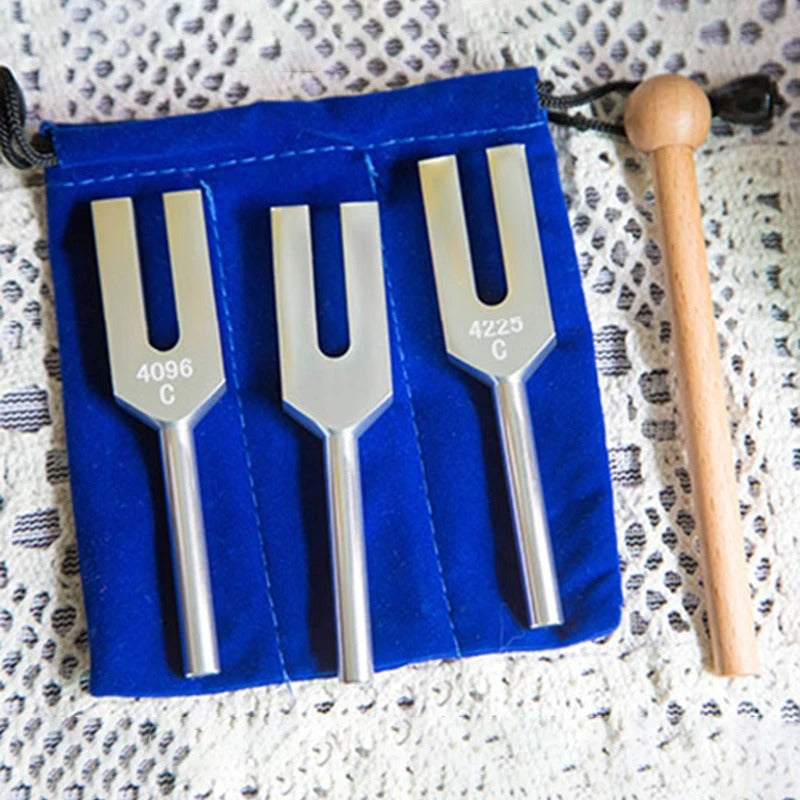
<point>443,571</point>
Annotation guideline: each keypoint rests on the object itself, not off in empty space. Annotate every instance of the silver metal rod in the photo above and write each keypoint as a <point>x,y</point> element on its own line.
<point>189,555</point>
<point>351,590</point>
<point>527,503</point>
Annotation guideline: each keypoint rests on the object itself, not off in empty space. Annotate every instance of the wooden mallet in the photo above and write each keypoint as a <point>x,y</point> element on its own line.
<point>668,117</point>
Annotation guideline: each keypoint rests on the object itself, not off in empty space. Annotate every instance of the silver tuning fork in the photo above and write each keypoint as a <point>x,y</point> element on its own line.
<point>337,397</point>
<point>501,344</point>
<point>171,389</point>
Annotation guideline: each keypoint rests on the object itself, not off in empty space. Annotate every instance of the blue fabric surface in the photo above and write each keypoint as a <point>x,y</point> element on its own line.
<point>443,571</point>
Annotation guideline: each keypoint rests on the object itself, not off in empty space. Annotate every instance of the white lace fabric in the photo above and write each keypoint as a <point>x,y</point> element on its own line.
<point>637,715</point>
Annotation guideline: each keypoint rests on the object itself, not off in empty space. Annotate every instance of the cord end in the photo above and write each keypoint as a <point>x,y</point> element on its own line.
<point>15,147</point>
<point>749,100</point>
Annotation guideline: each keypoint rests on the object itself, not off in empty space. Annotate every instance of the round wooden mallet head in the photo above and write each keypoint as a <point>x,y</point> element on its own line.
<point>668,117</point>
<point>667,110</point>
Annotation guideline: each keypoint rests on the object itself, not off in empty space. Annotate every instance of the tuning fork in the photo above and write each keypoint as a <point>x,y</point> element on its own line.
<point>170,390</point>
<point>337,397</point>
<point>500,344</point>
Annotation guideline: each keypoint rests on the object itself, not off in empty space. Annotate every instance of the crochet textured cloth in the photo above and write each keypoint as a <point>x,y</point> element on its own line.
<point>635,715</point>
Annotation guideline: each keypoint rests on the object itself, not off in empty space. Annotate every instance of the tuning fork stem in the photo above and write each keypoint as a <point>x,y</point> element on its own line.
<point>527,502</point>
<point>350,587</point>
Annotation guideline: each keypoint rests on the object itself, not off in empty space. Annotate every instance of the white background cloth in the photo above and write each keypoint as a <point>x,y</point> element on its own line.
<point>637,715</point>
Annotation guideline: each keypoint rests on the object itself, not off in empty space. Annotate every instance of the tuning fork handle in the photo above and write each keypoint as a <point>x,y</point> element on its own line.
<point>348,555</point>
<point>527,503</point>
<point>189,555</point>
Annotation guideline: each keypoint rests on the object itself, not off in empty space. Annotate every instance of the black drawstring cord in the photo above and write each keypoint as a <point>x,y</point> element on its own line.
<point>16,149</point>
<point>548,100</point>
<point>749,100</point>
<point>555,105</point>
<point>582,123</point>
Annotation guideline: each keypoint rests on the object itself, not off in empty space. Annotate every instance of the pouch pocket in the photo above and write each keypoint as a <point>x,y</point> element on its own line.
<point>443,572</point>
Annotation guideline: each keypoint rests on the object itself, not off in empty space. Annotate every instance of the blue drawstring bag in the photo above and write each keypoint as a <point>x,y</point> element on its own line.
<point>443,571</point>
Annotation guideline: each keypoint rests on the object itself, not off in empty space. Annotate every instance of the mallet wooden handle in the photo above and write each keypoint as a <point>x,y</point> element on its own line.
<point>668,117</point>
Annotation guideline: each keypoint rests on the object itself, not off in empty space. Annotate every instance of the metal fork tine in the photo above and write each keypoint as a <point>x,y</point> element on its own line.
<point>444,212</point>
<point>294,289</point>
<point>191,271</point>
<point>519,234</point>
<point>361,246</point>
<point>121,283</point>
